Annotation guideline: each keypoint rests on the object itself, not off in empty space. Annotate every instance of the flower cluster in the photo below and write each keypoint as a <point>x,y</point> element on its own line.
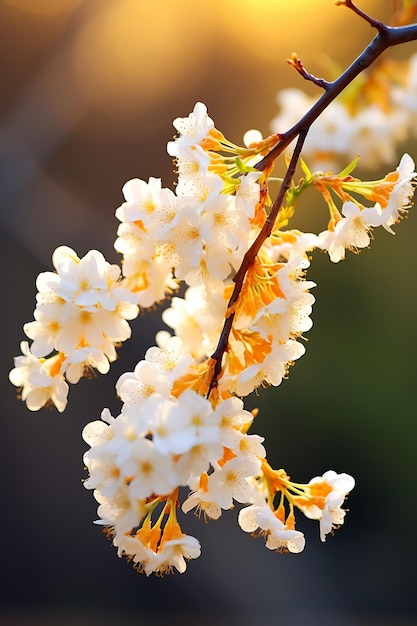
<point>157,444</point>
<point>160,442</point>
<point>321,499</point>
<point>182,421</point>
<point>199,233</point>
<point>351,228</point>
<point>172,432</point>
<point>80,318</point>
<point>202,234</point>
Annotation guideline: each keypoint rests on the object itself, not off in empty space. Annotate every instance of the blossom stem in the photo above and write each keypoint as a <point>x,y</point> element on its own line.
<point>249,259</point>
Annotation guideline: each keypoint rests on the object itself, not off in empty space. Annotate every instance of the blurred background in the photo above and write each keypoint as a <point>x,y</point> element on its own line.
<point>89,89</point>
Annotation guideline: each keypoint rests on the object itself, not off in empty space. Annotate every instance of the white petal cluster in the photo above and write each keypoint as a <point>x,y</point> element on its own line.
<point>197,234</point>
<point>264,341</point>
<point>200,235</point>
<point>81,315</point>
<point>39,384</point>
<point>160,442</point>
<point>166,442</point>
<point>278,536</point>
<point>353,230</point>
<point>171,553</point>
<point>329,492</point>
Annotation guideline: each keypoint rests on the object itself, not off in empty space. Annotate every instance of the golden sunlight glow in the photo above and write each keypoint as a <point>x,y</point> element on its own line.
<point>259,25</point>
<point>129,55</point>
<point>44,8</point>
<point>269,27</point>
<point>123,55</point>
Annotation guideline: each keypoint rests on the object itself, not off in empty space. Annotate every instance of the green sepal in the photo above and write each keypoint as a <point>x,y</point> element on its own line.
<point>349,168</point>
<point>306,169</point>
<point>242,167</point>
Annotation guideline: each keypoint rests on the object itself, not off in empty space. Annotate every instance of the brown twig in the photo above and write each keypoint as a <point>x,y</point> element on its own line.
<point>392,36</point>
<point>380,26</point>
<point>298,65</point>
<point>249,258</point>
<point>387,37</point>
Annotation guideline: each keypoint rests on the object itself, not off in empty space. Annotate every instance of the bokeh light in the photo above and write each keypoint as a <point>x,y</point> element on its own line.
<point>44,8</point>
<point>127,54</point>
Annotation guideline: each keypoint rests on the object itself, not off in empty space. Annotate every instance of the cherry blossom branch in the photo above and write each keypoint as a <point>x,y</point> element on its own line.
<point>249,258</point>
<point>387,37</point>
<point>266,230</point>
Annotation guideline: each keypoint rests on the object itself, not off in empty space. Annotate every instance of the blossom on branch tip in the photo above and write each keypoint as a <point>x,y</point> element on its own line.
<point>40,380</point>
<point>401,196</point>
<point>352,229</point>
<point>324,498</point>
<point>169,554</point>
<point>278,536</point>
<point>352,232</point>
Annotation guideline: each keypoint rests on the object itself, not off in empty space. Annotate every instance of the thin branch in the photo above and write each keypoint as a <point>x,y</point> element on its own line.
<point>266,230</point>
<point>298,65</point>
<point>249,258</point>
<point>380,26</point>
<point>392,36</point>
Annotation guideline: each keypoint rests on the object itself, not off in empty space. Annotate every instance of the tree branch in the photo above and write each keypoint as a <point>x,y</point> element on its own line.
<point>392,36</point>
<point>387,37</point>
<point>249,258</point>
<point>371,21</point>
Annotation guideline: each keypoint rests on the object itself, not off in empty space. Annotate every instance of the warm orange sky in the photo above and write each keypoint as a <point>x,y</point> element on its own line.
<point>125,54</point>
